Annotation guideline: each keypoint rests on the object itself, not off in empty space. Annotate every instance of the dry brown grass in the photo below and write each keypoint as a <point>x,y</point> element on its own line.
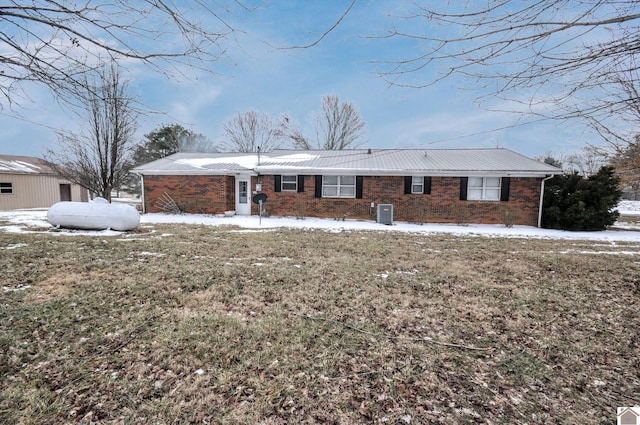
<point>206,325</point>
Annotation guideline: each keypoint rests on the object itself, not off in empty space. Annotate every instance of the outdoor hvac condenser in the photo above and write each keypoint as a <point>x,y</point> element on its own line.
<point>385,213</point>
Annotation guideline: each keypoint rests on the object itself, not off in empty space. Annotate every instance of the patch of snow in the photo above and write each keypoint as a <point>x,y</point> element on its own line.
<point>20,287</point>
<point>329,225</point>
<point>571,251</point>
<point>18,167</point>
<point>628,207</point>
<point>387,274</point>
<point>14,246</point>
<point>151,254</point>
<point>516,400</point>
<point>294,157</point>
<point>24,220</point>
<point>245,161</point>
<point>249,161</point>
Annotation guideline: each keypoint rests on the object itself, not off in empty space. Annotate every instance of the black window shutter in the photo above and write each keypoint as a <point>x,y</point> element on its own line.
<point>318,187</point>
<point>300,183</point>
<point>504,190</point>
<point>407,185</point>
<point>427,185</point>
<point>463,188</point>
<point>359,180</point>
<point>277,181</point>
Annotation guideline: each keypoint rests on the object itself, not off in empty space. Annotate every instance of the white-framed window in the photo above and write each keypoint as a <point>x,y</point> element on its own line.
<point>483,188</point>
<point>338,186</point>
<point>290,183</point>
<point>6,188</point>
<point>417,184</point>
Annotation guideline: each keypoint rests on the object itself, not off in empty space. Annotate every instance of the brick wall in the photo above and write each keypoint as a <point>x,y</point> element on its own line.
<point>193,194</point>
<point>216,194</point>
<point>442,205</point>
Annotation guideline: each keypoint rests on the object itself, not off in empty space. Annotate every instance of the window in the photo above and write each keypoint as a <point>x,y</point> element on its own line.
<point>339,186</point>
<point>484,188</point>
<point>6,188</point>
<point>417,184</point>
<point>290,183</point>
<point>243,192</point>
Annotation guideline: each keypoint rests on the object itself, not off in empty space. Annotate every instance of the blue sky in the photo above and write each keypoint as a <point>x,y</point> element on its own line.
<point>293,81</point>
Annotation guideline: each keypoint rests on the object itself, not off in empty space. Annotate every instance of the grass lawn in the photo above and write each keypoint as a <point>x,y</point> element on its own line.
<point>191,324</point>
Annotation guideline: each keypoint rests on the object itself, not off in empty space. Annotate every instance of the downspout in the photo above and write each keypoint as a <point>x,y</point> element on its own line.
<point>144,209</point>
<point>542,200</point>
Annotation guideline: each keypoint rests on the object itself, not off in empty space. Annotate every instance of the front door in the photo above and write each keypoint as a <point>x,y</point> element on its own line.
<point>243,196</point>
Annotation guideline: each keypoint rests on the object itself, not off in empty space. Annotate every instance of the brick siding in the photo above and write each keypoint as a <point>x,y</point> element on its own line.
<point>192,194</point>
<point>216,194</point>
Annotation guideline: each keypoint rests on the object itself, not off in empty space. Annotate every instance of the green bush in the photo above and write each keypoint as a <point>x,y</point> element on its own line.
<point>572,202</point>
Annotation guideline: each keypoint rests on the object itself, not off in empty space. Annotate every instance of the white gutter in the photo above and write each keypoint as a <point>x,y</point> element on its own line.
<point>542,199</point>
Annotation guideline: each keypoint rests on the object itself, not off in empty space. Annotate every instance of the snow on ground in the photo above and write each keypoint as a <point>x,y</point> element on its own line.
<point>34,220</point>
<point>629,208</point>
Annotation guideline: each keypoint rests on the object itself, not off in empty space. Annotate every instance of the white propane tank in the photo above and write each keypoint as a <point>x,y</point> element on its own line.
<point>96,215</point>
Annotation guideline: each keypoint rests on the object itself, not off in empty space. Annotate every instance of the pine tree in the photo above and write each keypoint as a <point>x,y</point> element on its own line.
<point>572,202</point>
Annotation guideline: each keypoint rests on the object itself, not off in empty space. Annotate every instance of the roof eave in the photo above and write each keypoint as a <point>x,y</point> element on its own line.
<point>192,172</point>
<point>28,173</point>
<point>406,172</point>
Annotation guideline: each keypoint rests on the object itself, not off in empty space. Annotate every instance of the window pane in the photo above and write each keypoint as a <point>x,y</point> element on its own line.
<point>329,191</point>
<point>243,197</point>
<point>330,180</point>
<point>492,182</point>
<point>6,188</point>
<point>347,191</point>
<point>289,186</point>
<point>474,194</point>
<point>348,180</point>
<point>475,181</point>
<point>492,194</point>
<point>290,183</point>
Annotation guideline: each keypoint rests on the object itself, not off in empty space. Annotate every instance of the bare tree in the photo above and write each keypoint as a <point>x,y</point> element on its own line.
<point>338,126</point>
<point>56,43</point>
<point>627,165</point>
<point>556,57</point>
<point>586,162</point>
<point>252,131</point>
<point>98,157</point>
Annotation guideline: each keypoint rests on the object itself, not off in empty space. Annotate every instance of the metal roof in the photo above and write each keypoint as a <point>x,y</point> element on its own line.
<point>13,164</point>
<point>368,162</point>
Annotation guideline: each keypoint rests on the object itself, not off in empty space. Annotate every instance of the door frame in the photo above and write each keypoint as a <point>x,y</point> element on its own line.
<point>65,192</point>
<point>243,203</point>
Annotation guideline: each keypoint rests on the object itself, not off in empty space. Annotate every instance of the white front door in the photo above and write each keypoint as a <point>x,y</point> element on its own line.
<point>243,196</point>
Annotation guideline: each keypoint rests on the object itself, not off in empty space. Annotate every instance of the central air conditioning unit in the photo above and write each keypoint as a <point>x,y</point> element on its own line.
<point>385,214</point>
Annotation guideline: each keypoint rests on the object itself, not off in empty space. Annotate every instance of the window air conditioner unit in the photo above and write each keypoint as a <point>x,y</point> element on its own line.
<point>385,214</point>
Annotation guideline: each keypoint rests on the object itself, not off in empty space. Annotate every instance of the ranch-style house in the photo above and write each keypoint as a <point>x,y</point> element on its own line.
<point>492,186</point>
